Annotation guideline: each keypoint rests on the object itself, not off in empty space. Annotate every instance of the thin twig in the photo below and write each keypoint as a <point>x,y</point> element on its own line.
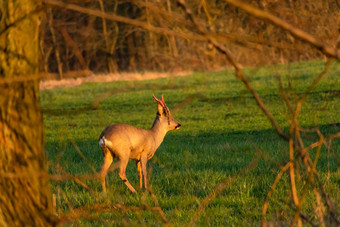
<point>298,33</point>
<point>21,19</point>
<point>82,155</point>
<point>309,181</point>
<point>238,68</point>
<point>220,188</point>
<point>272,188</point>
<point>78,181</point>
<point>316,80</point>
<point>88,211</point>
<point>158,208</point>
<point>40,76</point>
<point>125,20</point>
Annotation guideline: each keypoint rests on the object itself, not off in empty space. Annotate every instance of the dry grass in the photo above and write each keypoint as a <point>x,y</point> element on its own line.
<point>78,80</point>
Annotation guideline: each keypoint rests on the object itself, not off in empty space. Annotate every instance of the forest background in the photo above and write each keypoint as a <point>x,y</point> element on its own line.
<point>152,35</point>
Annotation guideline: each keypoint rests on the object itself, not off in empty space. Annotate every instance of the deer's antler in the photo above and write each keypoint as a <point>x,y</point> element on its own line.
<point>159,101</point>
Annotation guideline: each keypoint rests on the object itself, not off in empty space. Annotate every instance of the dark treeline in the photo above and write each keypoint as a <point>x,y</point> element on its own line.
<point>73,40</point>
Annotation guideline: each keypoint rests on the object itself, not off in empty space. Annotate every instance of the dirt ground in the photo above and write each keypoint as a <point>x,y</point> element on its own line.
<point>72,82</point>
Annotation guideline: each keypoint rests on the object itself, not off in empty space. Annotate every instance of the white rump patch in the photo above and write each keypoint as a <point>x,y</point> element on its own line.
<point>104,142</point>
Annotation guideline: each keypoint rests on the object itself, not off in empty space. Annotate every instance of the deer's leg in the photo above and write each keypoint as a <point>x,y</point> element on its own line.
<point>108,158</point>
<point>122,168</point>
<point>143,161</point>
<point>140,174</point>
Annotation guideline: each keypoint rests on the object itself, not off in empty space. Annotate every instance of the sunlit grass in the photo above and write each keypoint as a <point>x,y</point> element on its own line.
<point>222,127</point>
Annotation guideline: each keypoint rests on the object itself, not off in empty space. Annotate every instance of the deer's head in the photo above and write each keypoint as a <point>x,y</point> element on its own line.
<point>164,115</point>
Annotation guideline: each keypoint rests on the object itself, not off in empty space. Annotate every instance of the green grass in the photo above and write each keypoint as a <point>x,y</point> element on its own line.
<point>222,127</point>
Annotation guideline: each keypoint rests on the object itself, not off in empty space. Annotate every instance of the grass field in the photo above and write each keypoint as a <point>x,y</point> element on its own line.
<point>222,131</point>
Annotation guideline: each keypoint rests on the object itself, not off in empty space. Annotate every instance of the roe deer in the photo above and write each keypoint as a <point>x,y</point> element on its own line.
<point>126,142</point>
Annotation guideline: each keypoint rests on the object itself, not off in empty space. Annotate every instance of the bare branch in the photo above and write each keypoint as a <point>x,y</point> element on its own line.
<point>24,17</point>
<point>220,188</point>
<point>40,76</point>
<point>122,19</point>
<point>91,211</point>
<point>78,181</point>
<point>298,33</point>
<point>239,74</point>
<point>272,188</point>
<point>316,81</point>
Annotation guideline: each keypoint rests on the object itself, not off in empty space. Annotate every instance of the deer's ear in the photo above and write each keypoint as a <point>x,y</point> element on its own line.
<point>160,108</point>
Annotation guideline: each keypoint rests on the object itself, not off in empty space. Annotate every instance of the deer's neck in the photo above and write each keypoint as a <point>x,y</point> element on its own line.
<point>158,132</point>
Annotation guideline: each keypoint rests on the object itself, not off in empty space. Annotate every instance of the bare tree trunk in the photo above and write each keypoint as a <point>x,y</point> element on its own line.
<point>172,42</point>
<point>25,198</point>
<point>54,40</point>
<point>73,45</point>
<point>112,66</point>
<point>151,39</point>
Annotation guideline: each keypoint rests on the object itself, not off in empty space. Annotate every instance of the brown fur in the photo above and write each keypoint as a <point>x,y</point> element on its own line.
<point>126,142</point>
